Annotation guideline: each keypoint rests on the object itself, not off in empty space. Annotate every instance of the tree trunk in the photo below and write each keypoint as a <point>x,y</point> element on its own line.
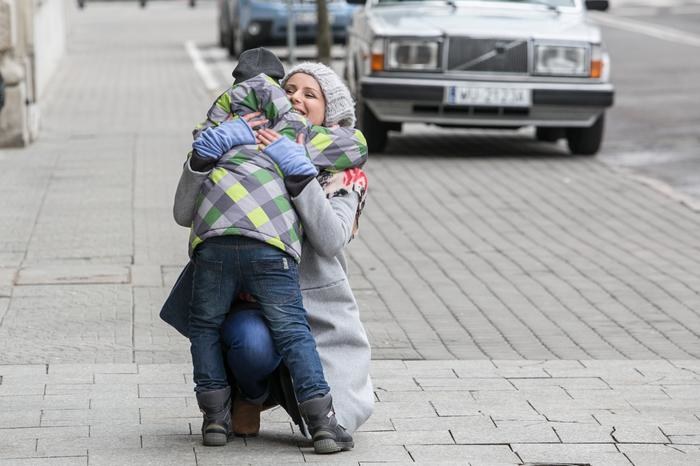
<point>323,37</point>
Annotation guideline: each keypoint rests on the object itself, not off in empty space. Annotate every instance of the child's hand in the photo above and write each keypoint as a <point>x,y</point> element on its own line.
<point>216,141</point>
<point>265,137</point>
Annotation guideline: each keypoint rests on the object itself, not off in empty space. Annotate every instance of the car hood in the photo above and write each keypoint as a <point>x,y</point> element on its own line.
<point>517,21</point>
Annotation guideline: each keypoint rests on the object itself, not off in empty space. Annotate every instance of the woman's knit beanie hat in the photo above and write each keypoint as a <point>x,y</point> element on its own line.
<point>340,108</point>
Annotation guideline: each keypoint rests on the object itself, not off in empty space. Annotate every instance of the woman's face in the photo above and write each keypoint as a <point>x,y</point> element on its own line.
<point>305,94</point>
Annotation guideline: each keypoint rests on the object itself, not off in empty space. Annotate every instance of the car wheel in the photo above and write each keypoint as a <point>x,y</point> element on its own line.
<point>375,130</point>
<point>586,141</point>
<point>549,134</point>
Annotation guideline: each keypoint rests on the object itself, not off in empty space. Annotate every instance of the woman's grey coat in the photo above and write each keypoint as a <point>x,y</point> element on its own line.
<point>333,313</point>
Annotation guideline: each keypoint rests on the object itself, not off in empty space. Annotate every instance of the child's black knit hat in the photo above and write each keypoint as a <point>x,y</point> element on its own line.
<point>252,62</point>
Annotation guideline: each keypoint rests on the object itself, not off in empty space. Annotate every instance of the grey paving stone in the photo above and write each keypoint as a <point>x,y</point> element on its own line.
<point>164,390</point>
<point>163,427</point>
<point>621,394</point>
<point>22,370</point>
<point>549,394</point>
<point>470,384</point>
<point>570,453</point>
<point>144,456</point>
<point>20,418</point>
<point>154,414</point>
<point>576,432</point>
<point>48,461</point>
<point>146,275</point>
<point>92,391</point>
<point>22,389</point>
<point>380,439</point>
<point>83,274</point>
<point>164,404</point>
<point>18,434</point>
<point>395,384</point>
<point>17,448</point>
<point>626,433</point>
<point>361,454</point>
<point>81,446</point>
<point>60,402</point>
<point>504,408</point>
<point>73,417</point>
<point>91,369</point>
<point>506,433</point>
<point>441,423</point>
<point>234,454</point>
<point>465,453</point>
<point>675,455</point>
<point>589,383</point>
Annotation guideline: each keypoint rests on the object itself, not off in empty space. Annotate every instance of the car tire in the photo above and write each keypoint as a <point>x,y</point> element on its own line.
<point>375,131</point>
<point>586,141</point>
<point>549,134</point>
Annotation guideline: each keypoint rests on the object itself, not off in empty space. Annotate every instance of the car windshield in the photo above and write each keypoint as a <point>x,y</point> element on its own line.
<point>553,3</point>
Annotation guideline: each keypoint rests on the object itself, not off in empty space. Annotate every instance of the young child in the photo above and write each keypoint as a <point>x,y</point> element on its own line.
<point>246,237</point>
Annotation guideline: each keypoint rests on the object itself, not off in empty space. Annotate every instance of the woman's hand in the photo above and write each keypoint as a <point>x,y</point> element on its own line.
<point>254,121</point>
<point>265,137</point>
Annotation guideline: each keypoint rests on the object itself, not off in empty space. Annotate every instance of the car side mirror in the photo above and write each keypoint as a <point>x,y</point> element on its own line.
<point>597,5</point>
<point>356,2</point>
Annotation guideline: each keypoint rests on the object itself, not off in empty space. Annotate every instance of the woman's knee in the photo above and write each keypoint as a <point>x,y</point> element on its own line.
<point>247,334</point>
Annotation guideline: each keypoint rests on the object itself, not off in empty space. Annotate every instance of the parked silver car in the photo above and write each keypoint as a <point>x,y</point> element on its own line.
<point>480,63</point>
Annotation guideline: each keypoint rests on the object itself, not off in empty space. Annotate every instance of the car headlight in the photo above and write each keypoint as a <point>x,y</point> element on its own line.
<point>412,54</point>
<point>561,60</point>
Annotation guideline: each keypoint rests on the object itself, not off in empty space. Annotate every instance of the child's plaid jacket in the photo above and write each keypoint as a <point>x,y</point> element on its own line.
<point>245,194</point>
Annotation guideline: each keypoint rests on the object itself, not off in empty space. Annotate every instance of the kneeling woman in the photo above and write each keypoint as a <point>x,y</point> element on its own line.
<point>328,207</point>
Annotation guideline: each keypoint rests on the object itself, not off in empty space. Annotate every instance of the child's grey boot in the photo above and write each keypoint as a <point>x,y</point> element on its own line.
<point>328,436</point>
<point>215,405</point>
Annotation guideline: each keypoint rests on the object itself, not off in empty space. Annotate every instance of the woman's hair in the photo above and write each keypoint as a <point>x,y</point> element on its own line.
<point>340,108</point>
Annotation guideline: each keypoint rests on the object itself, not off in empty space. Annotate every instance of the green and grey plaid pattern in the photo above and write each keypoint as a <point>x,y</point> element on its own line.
<point>245,193</point>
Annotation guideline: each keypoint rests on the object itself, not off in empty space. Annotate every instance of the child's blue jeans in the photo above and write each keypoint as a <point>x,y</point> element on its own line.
<point>227,265</point>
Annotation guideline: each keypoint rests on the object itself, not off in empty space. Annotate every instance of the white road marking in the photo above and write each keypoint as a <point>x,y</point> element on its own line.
<point>201,67</point>
<point>659,32</point>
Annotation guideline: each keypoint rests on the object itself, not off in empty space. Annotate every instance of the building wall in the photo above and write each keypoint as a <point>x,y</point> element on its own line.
<point>32,42</point>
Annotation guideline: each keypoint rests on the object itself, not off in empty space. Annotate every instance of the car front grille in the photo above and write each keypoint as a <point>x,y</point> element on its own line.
<point>487,55</point>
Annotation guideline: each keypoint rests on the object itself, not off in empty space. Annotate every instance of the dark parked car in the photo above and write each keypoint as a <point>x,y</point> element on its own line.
<point>244,24</point>
<point>480,63</point>
<point>2,92</point>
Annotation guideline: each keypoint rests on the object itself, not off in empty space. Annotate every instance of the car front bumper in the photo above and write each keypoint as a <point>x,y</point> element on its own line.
<point>424,101</point>
<point>273,22</point>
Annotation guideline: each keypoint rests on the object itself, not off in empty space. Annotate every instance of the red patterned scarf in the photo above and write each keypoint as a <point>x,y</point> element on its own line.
<point>340,183</point>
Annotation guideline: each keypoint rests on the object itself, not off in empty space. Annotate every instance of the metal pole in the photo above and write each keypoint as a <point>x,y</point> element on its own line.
<point>291,33</point>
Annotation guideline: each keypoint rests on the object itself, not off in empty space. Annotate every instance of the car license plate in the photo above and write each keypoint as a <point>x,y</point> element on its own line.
<point>489,96</point>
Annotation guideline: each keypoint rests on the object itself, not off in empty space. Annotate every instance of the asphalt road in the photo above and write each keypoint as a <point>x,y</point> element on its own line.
<point>653,128</point>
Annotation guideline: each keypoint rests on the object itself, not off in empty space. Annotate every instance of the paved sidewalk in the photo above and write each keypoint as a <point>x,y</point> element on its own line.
<point>524,306</point>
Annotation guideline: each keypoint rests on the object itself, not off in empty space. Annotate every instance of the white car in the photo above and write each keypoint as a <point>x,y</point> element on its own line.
<point>480,63</point>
